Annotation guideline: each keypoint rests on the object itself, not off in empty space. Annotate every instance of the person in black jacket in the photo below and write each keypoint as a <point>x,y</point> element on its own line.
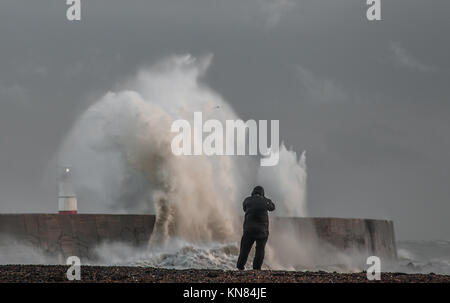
<point>256,227</point>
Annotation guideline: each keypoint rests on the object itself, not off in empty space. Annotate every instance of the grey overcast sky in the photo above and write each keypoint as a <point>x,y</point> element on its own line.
<point>368,101</point>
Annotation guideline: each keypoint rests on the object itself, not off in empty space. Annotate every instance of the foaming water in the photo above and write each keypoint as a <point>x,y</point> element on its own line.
<point>120,149</point>
<point>424,257</point>
<point>13,251</point>
<point>413,257</point>
<point>178,254</point>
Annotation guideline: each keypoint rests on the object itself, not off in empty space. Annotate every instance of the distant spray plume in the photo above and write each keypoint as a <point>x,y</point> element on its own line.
<point>120,148</point>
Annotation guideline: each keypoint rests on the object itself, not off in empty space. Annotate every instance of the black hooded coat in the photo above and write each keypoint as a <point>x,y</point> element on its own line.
<point>256,222</point>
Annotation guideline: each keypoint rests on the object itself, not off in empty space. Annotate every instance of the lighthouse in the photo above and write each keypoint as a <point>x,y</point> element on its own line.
<point>67,200</point>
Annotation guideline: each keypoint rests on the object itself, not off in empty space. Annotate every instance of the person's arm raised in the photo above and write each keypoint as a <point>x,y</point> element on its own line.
<point>270,205</point>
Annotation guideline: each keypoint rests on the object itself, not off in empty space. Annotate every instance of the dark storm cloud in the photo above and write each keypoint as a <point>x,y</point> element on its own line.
<point>368,101</point>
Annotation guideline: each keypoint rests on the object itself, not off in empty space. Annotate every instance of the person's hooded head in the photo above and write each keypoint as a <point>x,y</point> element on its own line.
<point>258,190</point>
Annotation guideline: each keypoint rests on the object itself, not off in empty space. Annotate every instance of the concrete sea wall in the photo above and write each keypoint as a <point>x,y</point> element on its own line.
<point>75,235</point>
<point>68,235</point>
<point>363,236</point>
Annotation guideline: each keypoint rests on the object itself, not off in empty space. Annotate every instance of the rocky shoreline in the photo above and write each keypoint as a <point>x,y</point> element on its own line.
<point>122,274</point>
